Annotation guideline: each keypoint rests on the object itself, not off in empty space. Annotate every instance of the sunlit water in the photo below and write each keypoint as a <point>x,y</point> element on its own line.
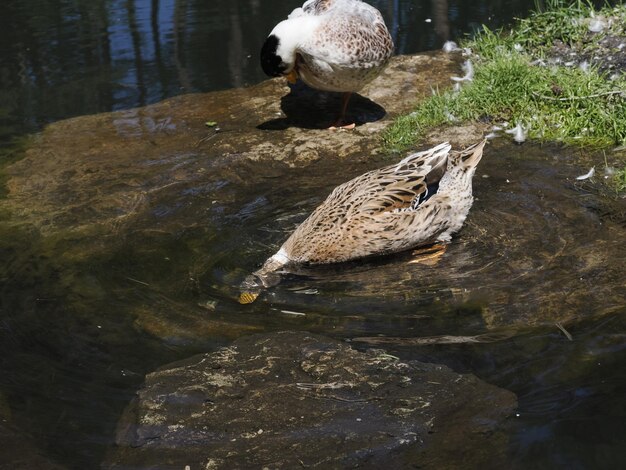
<point>67,58</point>
<point>78,333</point>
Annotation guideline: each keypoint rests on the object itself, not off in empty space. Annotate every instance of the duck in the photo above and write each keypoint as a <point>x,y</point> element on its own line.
<point>331,45</point>
<point>419,202</point>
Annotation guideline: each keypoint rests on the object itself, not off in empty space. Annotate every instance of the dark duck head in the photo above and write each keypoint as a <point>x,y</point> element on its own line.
<point>271,63</point>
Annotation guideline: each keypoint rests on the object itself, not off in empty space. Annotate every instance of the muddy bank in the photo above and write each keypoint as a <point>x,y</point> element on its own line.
<point>288,400</point>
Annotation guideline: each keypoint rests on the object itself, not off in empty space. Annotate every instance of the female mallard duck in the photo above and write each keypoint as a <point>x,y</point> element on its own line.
<point>331,45</point>
<point>422,200</point>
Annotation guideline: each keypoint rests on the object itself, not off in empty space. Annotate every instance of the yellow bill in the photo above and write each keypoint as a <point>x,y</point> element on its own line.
<point>247,297</point>
<point>292,76</point>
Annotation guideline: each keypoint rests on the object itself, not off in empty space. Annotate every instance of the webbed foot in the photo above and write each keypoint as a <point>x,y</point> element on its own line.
<point>428,255</point>
<point>339,125</point>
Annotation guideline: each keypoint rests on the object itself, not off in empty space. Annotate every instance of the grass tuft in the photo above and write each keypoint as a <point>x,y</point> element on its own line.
<point>514,83</point>
<point>619,180</point>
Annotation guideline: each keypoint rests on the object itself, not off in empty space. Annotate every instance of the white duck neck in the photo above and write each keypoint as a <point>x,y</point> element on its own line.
<point>292,34</point>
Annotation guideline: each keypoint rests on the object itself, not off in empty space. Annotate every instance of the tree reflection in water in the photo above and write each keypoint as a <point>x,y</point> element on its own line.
<point>62,58</point>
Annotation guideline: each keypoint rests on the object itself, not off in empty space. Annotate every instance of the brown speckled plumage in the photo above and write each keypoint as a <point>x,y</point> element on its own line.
<point>346,46</point>
<point>386,210</point>
<point>317,7</point>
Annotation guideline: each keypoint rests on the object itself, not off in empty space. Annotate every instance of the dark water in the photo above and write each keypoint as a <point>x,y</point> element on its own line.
<point>61,58</point>
<point>82,320</point>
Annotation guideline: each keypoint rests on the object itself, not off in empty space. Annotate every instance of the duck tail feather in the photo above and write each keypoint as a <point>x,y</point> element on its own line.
<point>472,155</point>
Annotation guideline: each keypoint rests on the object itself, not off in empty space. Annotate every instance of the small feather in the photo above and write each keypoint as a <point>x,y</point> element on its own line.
<point>565,332</point>
<point>291,312</point>
<point>468,68</point>
<point>450,46</point>
<point>587,175</point>
<point>519,133</point>
<point>596,25</point>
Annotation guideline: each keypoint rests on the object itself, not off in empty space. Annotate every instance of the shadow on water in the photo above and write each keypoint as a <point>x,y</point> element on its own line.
<point>313,109</point>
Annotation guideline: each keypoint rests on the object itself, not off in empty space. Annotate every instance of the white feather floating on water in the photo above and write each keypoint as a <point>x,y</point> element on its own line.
<point>468,68</point>
<point>587,175</point>
<point>291,312</point>
<point>565,332</point>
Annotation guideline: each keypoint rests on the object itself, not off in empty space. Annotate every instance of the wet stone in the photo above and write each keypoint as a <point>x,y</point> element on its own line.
<point>291,400</point>
<point>96,174</point>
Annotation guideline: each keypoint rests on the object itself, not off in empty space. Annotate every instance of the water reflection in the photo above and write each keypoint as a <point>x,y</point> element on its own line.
<point>65,58</point>
<point>84,315</point>
<point>87,311</point>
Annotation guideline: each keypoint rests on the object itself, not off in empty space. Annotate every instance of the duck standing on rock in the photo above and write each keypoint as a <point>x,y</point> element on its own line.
<point>422,200</point>
<point>331,45</point>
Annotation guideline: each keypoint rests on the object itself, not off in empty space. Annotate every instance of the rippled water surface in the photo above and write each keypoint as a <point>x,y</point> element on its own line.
<point>84,318</point>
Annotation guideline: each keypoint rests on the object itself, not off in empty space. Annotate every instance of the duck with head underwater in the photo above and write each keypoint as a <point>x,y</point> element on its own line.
<point>421,200</point>
<point>331,45</point>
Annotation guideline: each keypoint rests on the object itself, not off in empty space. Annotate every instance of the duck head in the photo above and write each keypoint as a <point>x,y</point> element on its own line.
<point>271,62</point>
<point>278,54</point>
<point>263,278</point>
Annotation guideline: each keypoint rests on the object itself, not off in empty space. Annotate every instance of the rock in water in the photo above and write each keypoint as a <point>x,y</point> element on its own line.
<point>292,400</point>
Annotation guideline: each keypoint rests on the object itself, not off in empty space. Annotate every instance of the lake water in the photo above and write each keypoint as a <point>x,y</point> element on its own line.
<point>67,58</point>
<point>83,320</point>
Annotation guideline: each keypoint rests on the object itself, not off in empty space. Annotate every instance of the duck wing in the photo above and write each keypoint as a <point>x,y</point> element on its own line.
<point>352,34</point>
<point>404,186</point>
<point>317,7</point>
<point>377,212</point>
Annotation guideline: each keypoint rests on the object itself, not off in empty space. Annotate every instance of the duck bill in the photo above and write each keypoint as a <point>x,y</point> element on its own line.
<point>247,297</point>
<point>292,76</point>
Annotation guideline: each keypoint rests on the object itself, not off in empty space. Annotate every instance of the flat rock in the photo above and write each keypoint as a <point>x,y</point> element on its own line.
<point>297,400</point>
<point>96,173</point>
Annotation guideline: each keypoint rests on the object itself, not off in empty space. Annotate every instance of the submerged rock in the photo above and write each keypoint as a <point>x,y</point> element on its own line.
<point>291,400</point>
<point>96,174</point>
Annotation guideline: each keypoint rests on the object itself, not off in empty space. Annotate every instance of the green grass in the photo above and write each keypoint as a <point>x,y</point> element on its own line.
<point>554,103</point>
<point>564,21</point>
<point>619,180</point>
